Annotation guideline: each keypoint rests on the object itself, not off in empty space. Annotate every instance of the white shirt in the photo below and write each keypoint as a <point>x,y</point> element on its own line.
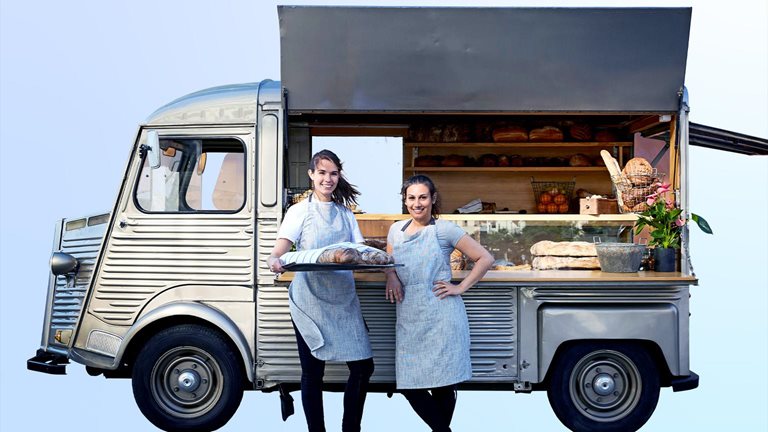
<point>290,228</point>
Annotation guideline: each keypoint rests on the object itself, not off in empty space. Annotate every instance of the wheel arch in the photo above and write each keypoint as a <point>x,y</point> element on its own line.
<point>179,313</point>
<point>655,325</point>
<point>653,349</point>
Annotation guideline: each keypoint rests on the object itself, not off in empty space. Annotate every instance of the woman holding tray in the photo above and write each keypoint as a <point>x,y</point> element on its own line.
<point>324,306</point>
<point>432,348</point>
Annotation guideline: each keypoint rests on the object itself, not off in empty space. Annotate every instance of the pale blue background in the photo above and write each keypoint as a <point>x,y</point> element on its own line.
<point>77,77</point>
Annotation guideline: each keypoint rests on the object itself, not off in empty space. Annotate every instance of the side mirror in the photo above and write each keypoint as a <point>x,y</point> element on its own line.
<point>153,142</point>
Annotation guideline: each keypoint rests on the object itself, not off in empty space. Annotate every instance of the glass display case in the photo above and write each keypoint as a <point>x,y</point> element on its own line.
<point>510,237</point>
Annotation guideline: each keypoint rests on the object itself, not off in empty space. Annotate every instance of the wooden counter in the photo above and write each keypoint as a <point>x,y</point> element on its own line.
<point>554,277</point>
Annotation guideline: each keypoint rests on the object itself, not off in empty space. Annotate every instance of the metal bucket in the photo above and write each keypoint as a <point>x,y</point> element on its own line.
<point>619,257</point>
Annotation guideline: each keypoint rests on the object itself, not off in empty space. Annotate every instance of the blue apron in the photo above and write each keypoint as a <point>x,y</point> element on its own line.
<point>432,334</point>
<point>324,304</point>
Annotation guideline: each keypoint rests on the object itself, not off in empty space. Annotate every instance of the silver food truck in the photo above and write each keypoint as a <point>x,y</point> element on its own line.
<point>170,288</point>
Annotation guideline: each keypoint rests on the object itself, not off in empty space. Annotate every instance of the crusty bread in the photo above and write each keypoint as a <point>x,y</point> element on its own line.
<point>639,172</point>
<point>339,256</point>
<point>565,248</point>
<point>375,257</point>
<point>454,161</point>
<point>458,261</point>
<point>510,134</point>
<point>562,263</point>
<point>580,132</point>
<point>545,134</point>
<point>579,160</point>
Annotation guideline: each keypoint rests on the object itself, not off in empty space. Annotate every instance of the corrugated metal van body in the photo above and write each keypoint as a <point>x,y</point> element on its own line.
<point>492,312</point>
<point>158,252</point>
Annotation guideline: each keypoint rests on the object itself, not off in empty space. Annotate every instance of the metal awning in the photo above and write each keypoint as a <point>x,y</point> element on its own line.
<point>485,60</point>
<point>720,139</point>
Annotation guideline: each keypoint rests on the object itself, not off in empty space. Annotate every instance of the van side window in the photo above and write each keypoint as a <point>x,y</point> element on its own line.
<point>195,175</point>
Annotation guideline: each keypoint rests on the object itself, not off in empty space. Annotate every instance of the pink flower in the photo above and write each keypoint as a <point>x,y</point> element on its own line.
<point>651,199</point>
<point>680,222</point>
<point>663,189</point>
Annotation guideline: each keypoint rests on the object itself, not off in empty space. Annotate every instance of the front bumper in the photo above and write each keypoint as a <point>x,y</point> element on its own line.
<point>684,383</point>
<point>47,362</point>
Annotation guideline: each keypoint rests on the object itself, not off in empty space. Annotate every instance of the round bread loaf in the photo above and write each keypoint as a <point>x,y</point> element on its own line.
<point>579,160</point>
<point>639,172</point>
<point>580,132</point>
<point>606,136</point>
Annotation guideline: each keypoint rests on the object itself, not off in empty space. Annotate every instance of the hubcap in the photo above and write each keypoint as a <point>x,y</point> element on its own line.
<point>186,382</point>
<point>189,380</point>
<point>605,385</point>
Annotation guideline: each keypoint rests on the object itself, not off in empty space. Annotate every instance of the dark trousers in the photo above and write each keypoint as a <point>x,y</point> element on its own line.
<point>312,371</point>
<point>436,409</point>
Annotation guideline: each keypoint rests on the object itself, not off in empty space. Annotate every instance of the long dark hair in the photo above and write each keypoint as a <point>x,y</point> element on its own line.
<point>345,192</point>
<point>422,179</point>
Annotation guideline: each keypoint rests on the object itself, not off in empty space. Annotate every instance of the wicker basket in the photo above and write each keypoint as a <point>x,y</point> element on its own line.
<point>634,190</point>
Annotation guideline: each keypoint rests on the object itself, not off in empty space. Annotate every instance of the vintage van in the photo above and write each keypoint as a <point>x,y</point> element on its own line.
<point>170,287</point>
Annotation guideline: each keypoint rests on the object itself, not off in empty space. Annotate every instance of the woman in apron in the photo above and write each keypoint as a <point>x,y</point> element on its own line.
<point>432,348</point>
<point>324,306</point>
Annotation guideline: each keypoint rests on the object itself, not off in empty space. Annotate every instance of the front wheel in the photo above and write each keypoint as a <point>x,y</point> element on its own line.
<point>188,378</point>
<point>604,387</point>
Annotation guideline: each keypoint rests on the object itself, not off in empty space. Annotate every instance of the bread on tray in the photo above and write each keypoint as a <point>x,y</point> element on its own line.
<point>339,253</point>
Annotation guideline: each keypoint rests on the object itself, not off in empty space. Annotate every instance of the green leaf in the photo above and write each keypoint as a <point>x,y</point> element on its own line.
<point>702,223</point>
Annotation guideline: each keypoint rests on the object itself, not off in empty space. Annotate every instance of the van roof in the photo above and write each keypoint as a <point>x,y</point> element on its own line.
<point>227,104</point>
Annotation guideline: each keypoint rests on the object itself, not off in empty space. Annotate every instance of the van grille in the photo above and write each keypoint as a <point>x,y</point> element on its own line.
<point>80,238</point>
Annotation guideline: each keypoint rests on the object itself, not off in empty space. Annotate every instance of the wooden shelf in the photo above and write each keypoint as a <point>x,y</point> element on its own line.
<point>508,169</point>
<point>519,144</point>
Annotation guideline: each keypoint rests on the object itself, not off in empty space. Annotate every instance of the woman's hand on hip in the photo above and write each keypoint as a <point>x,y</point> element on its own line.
<point>443,289</point>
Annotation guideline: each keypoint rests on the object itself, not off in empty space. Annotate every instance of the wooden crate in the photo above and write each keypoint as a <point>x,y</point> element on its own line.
<point>598,206</point>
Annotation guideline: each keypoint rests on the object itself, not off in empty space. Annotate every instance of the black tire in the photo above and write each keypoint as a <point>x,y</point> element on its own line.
<point>188,378</point>
<point>604,387</point>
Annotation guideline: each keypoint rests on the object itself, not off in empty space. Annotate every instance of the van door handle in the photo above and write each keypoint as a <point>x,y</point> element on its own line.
<point>127,222</point>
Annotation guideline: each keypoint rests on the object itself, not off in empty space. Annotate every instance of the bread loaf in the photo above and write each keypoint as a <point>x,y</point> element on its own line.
<point>606,136</point>
<point>563,263</point>
<point>454,161</point>
<point>339,256</point>
<point>579,160</point>
<point>375,257</point>
<point>427,161</point>
<point>546,134</point>
<point>489,160</point>
<point>375,243</point>
<point>580,132</point>
<point>639,172</point>
<point>458,262</point>
<point>510,134</point>
<point>565,248</point>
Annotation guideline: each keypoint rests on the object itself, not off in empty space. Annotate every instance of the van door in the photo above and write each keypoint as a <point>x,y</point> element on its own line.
<point>186,225</point>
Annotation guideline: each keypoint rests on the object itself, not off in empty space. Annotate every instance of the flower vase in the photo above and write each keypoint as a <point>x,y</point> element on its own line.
<point>664,259</point>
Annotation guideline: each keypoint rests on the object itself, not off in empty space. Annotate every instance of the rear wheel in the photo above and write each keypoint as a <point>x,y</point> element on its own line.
<point>188,378</point>
<point>604,387</point>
